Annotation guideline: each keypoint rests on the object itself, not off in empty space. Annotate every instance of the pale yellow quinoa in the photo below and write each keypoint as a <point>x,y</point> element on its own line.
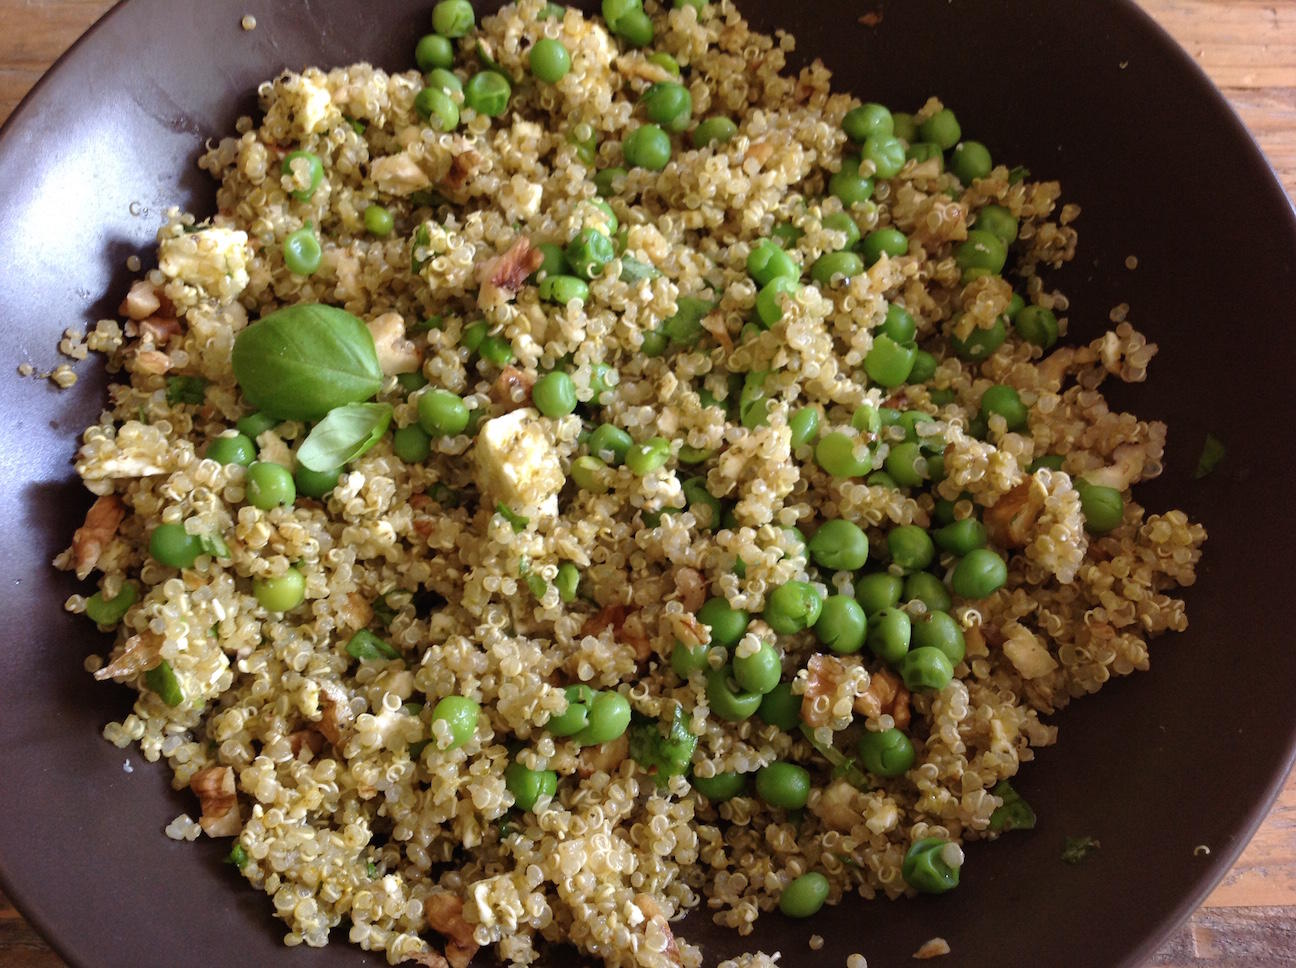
<point>337,822</point>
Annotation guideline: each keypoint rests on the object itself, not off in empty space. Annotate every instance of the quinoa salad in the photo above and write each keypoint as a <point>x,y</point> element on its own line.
<point>603,474</point>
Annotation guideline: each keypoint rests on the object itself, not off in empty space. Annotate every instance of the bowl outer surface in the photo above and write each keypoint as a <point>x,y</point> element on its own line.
<point>1088,92</point>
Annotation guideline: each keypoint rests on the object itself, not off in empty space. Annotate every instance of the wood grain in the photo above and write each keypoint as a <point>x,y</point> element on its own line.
<point>1248,47</point>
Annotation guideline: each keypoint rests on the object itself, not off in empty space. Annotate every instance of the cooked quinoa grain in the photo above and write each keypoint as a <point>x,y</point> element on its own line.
<point>445,659</point>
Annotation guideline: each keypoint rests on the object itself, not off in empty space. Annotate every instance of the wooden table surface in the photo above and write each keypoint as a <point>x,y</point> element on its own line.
<point>1249,48</point>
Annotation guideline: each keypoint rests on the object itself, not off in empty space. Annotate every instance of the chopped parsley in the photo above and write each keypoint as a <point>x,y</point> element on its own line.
<point>238,856</point>
<point>663,755</point>
<point>1077,849</point>
<point>186,389</point>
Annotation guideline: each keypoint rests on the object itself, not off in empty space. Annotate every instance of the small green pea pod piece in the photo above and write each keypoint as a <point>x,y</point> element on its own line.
<point>932,865</point>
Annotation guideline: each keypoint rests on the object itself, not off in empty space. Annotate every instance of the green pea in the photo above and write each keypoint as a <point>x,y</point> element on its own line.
<point>793,606</point>
<point>941,128</point>
<point>926,669</point>
<point>1053,462</point>
<point>474,334</point>
<point>576,716</point>
<point>378,221</point>
<point>878,591</point>
<point>609,715</point>
<point>253,425</point>
<point>728,625</point>
<point>786,235</point>
<point>978,574</point>
<point>840,545</point>
<point>960,537</point>
<point>804,424</point>
<point>665,60</point>
<point>904,126</point>
<point>437,107</point>
<point>888,752</point>
<point>488,93</point>
<point>784,785</point>
<point>924,151</point>
<point>607,179</point>
<point>721,787</point>
<point>453,18</point>
<point>314,170</point>
<point>938,630</point>
<point>836,265</point>
<point>842,625</point>
<point>911,547</point>
<point>554,394</point>
<point>459,713</point>
<point>889,631</point>
<point>980,343</point>
<point>906,464</point>
<point>780,708</point>
<point>888,241</point>
<point>529,786</point>
<point>694,455</point>
<point>281,593</point>
<point>769,304</point>
<point>705,507</point>
<point>110,611</point>
<point>686,660</point>
<point>924,368</point>
<point>232,449</point>
<point>768,261</point>
<point>925,587</point>
<point>837,454</point>
<point>589,252</point>
<point>649,456</point>
<point>889,363</point>
<point>1037,325</point>
<point>969,161</point>
<point>881,479</point>
<point>648,146</point>
<point>549,60</point>
<point>983,254</point>
<point>899,323</point>
<point>316,484</point>
<point>760,671</point>
<point>412,444</point>
<point>590,474</point>
<point>713,131</point>
<point>803,897</point>
<point>269,485</point>
<point>1006,402</point>
<point>563,289</point>
<point>568,582</point>
<point>443,80</point>
<point>1103,507</point>
<point>635,28</point>
<point>926,867</point>
<point>1015,305</point>
<point>433,51</point>
<point>609,443</point>
<point>868,121</point>
<point>887,154</point>
<point>302,253</point>
<point>442,413</point>
<point>162,680</point>
<point>668,104</point>
<point>726,701</point>
<point>995,219</point>
<point>849,185</point>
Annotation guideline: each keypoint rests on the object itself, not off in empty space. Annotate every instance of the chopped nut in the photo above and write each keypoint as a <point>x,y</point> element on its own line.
<point>215,790</point>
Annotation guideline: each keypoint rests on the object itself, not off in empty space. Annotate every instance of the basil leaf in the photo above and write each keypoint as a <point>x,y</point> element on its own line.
<point>1014,814</point>
<point>366,646</point>
<point>1076,849</point>
<point>663,756</point>
<point>345,434</point>
<point>300,362</point>
<point>1212,453</point>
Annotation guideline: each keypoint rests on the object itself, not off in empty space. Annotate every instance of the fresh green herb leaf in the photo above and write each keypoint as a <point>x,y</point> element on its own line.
<point>371,869</point>
<point>843,766</point>
<point>1014,813</point>
<point>345,434</point>
<point>632,270</point>
<point>486,57</point>
<point>417,747</point>
<point>162,680</point>
<point>422,239</point>
<point>113,610</point>
<point>685,327</point>
<point>357,125</point>
<point>214,545</point>
<point>300,362</point>
<point>186,389</point>
<point>517,521</point>
<point>238,856</point>
<point>1077,849</point>
<point>443,494</point>
<point>537,585</point>
<point>1018,174</point>
<point>663,755</point>
<point>431,323</point>
<point>412,708</point>
<point>383,611</point>
<point>367,647</point>
<point>1212,453</point>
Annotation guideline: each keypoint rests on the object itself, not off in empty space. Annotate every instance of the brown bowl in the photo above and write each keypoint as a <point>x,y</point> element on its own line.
<point>1089,92</point>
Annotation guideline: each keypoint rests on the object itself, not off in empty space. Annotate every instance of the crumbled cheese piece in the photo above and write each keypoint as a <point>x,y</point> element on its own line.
<point>398,174</point>
<point>517,464</point>
<point>212,260</point>
<point>1027,654</point>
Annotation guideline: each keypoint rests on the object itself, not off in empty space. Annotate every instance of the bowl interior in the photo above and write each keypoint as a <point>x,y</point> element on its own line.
<point>1088,92</point>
